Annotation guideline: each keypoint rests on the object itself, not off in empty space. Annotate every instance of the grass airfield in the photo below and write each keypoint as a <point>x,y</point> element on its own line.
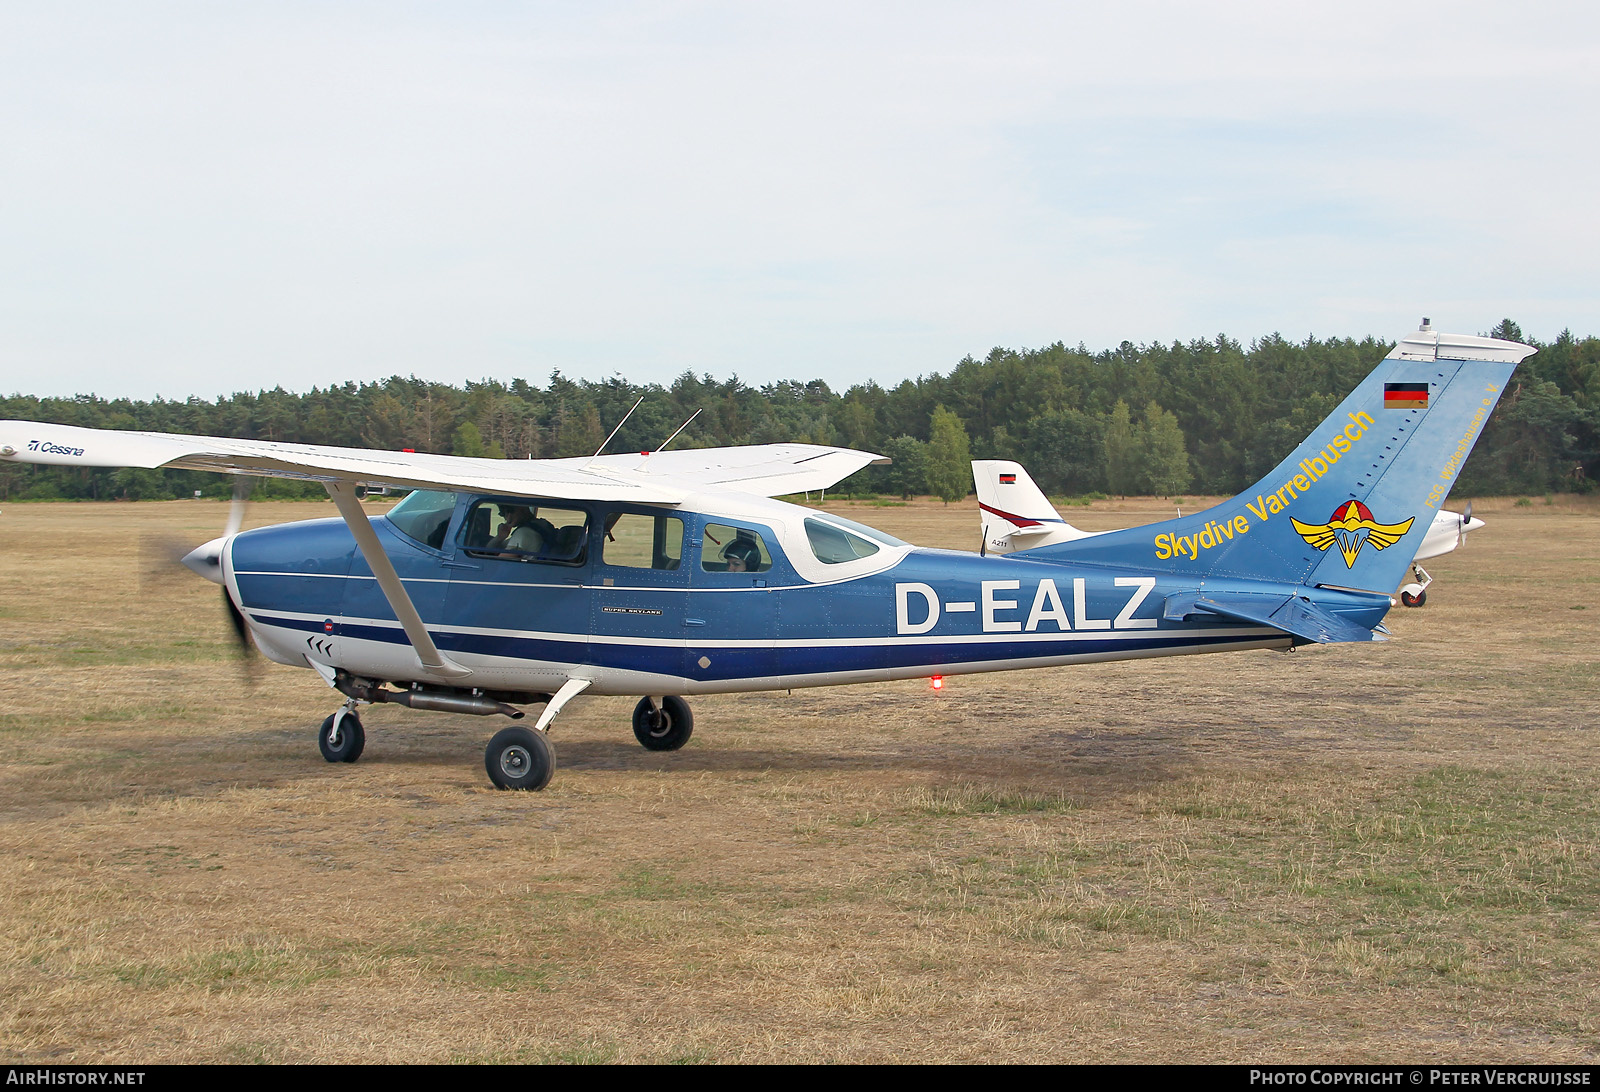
<point>1339,854</point>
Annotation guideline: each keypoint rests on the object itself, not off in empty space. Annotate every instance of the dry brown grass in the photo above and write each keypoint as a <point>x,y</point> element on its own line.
<point>1340,854</point>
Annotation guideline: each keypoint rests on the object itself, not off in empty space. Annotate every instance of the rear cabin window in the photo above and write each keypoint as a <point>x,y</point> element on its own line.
<point>834,545</point>
<point>864,531</point>
<point>424,516</point>
<point>511,531</point>
<point>734,550</point>
<point>643,542</point>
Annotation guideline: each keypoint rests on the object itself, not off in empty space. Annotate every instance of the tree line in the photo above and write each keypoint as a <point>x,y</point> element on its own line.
<point>1207,416</point>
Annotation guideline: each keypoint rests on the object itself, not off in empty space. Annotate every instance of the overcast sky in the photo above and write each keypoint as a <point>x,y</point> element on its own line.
<point>203,198</point>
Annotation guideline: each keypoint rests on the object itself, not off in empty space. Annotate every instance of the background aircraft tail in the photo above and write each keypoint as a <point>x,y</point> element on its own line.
<point>1349,507</point>
<point>1014,512</point>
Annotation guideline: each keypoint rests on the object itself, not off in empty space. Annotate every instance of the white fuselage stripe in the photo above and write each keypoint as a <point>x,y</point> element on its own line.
<point>1175,635</point>
<point>564,587</point>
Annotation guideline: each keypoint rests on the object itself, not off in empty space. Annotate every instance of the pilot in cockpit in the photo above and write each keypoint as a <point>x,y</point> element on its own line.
<point>742,556</point>
<point>518,532</point>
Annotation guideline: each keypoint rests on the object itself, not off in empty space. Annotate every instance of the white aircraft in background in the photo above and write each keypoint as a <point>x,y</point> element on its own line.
<point>1016,515</point>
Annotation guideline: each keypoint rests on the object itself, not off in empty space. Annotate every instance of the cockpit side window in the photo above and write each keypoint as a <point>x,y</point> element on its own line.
<point>833,545</point>
<point>522,531</point>
<point>424,516</point>
<point>734,550</point>
<point>642,542</point>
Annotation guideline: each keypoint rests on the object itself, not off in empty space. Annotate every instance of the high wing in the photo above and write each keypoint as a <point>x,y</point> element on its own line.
<point>767,470</point>
<point>662,478</point>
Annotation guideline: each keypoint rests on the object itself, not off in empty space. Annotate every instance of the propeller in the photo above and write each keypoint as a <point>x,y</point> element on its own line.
<point>242,487</point>
<point>206,560</point>
<point>161,554</point>
<point>241,496</point>
<point>241,631</point>
<point>160,561</point>
<point>244,647</point>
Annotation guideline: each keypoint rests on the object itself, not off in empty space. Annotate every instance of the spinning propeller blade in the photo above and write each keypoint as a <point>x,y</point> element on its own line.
<point>240,630</point>
<point>160,553</point>
<point>245,647</point>
<point>241,493</point>
<point>160,560</point>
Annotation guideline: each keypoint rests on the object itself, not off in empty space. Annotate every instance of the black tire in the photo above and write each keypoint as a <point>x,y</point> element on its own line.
<point>1414,600</point>
<point>519,758</point>
<point>664,731</point>
<point>348,743</point>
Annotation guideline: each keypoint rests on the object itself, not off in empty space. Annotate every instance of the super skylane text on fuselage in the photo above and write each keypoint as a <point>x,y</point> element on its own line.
<point>503,583</point>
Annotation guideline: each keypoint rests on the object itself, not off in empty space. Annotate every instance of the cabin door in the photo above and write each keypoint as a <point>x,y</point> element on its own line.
<point>519,593</point>
<point>732,622</point>
<point>640,600</point>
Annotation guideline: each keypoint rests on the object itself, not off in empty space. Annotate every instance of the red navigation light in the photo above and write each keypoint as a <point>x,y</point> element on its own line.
<point>409,450</point>
<point>938,682</point>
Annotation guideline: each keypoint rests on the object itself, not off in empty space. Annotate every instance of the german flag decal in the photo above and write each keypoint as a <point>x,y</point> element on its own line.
<point>1008,479</point>
<point>1405,396</point>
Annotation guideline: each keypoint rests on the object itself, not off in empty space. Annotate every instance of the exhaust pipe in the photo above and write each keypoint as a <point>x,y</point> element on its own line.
<point>479,703</point>
<point>447,703</point>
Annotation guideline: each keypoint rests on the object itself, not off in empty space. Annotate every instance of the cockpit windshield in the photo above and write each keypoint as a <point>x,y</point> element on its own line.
<point>424,515</point>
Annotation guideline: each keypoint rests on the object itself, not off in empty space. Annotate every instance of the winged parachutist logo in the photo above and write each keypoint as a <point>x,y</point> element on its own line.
<point>1352,527</point>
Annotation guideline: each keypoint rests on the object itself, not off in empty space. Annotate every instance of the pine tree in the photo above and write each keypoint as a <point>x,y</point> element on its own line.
<point>580,434</point>
<point>467,440</point>
<point>949,469</point>
<point>1163,458</point>
<point>1122,455</point>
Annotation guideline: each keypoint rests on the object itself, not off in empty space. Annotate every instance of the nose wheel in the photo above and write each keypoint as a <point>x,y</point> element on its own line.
<point>341,737</point>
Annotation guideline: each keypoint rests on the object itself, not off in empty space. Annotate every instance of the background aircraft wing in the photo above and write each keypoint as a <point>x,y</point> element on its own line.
<point>666,477</point>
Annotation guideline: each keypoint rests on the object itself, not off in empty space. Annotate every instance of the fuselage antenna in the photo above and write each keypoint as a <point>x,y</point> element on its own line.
<point>681,427</point>
<point>618,429</point>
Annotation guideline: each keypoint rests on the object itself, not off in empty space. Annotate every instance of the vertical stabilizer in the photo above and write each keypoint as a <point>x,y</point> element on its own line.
<point>1015,513</point>
<point>1350,506</point>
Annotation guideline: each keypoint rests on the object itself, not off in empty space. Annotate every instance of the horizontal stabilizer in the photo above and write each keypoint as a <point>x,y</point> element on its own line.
<point>1294,614</point>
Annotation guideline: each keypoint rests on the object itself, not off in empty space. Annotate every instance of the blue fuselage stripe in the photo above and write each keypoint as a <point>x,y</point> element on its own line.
<point>757,661</point>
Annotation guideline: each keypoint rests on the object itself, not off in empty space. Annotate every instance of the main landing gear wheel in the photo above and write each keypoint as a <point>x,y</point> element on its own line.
<point>341,737</point>
<point>664,729</point>
<point>519,758</point>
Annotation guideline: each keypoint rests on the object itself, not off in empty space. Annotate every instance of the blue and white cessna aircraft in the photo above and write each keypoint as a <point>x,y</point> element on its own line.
<point>503,583</point>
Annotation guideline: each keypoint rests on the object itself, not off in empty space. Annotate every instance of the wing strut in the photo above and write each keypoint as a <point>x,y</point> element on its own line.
<point>344,496</point>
